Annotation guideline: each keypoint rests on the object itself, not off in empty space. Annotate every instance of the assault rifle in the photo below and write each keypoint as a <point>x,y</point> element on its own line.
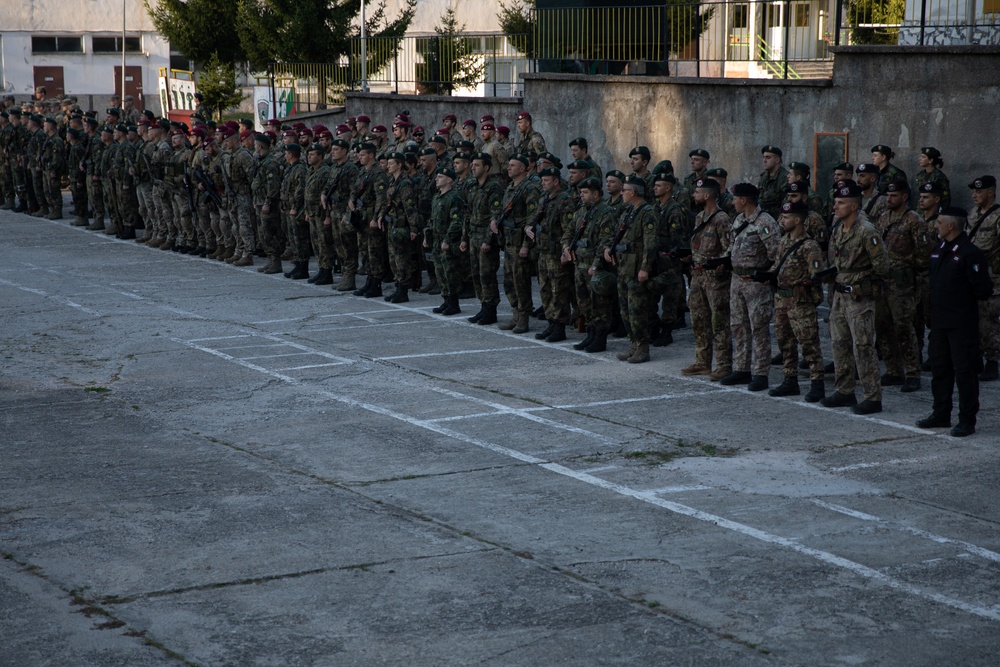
<point>716,262</point>
<point>209,185</point>
<point>503,220</point>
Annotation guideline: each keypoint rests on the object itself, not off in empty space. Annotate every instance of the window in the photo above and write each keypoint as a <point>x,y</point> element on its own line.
<point>740,16</point>
<point>114,44</point>
<point>801,15</point>
<point>773,19</point>
<point>50,44</point>
<point>991,7</point>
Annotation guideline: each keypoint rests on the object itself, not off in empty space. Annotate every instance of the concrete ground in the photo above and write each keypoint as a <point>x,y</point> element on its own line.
<point>204,465</point>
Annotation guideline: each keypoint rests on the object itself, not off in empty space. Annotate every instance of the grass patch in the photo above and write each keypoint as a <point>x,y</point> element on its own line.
<point>651,456</point>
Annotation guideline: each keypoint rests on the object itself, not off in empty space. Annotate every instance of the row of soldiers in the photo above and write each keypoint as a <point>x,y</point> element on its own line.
<point>620,250</point>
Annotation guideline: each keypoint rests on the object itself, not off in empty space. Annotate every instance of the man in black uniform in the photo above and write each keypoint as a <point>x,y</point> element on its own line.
<point>959,278</point>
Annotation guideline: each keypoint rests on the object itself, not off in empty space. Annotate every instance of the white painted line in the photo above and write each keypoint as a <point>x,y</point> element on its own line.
<point>620,401</point>
<point>277,356</point>
<point>676,489</point>
<point>992,613</point>
<point>299,368</point>
<point>876,464</point>
<point>245,347</point>
<point>360,326</point>
<point>199,340</point>
<point>45,295</point>
<point>971,548</point>
<point>603,469</point>
<point>454,353</point>
<point>456,418</point>
<point>304,348</point>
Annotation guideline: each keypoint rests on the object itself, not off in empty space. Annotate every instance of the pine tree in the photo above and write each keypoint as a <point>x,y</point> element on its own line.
<point>450,60</point>
<point>217,85</point>
<point>199,28</point>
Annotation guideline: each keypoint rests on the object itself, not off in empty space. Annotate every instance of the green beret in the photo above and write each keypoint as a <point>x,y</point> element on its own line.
<point>717,172</point>
<point>550,171</point>
<point>446,171</point>
<point>590,184</point>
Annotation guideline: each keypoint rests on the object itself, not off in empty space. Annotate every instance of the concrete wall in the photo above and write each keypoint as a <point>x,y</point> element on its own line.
<point>907,98</point>
<point>428,110</point>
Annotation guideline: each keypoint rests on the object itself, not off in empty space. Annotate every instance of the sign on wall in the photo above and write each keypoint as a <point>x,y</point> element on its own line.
<point>266,108</point>
<point>177,95</point>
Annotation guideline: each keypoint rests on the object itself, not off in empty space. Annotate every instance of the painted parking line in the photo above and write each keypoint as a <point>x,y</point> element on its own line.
<point>453,353</point>
<point>651,498</point>
<point>53,297</point>
<point>301,368</point>
<point>876,464</point>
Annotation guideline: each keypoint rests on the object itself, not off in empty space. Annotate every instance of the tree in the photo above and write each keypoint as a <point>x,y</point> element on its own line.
<point>875,12</point>
<point>517,20</point>
<point>199,28</point>
<point>450,60</point>
<point>217,85</point>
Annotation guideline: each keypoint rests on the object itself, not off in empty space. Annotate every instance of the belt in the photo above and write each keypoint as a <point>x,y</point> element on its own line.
<point>785,292</point>
<point>845,289</point>
<point>744,273</point>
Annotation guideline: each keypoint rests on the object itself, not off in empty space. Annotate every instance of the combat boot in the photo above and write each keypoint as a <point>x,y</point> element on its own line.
<point>245,260</point>
<point>275,266</point>
<point>374,290</point>
<point>817,391</point>
<point>364,288</point>
<point>96,226</point>
<point>41,212</point>
<point>839,400</point>
<point>401,295</point>
<point>737,377</point>
<point>55,214</point>
<point>600,341</point>
<point>8,204</point>
<point>347,283</point>
<point>287,255</point>
<point>665,338</point>
<point>22,206</point>
<point>558,333</point>
<point>270,263</point>
<point>489,315</point>
<point>300,271</point>
<point>758,383</point>
<point>788,387</point>
<point>522,324</point>
<point>544,333</point>
<point>641,354</point>
<point>442,307</point>
<point>229,252</point>
<point>80,221</point>
<point>625,354</point>
<point>325,277</point>
<point>127,235</point>
<point>390,297</point>
<point>585,343</point>
<point>431,284</point>
<point>435,288</point>
<point>509,324</point>
<point>312,279</point>
<point>452,308</point>
<point>990,372</point>
<point>478,316</point>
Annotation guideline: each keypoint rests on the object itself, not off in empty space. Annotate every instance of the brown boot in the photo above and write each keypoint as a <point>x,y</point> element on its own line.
<point>245,260</point>
<point>347,283</point>
<point>719,373</point>
<point>522,324</point>
<point>275,267</point>
<point>626,354</point>
<point>697,369</point>
<point>641,354</point>
<point>509,324</point>
<point>96,226</point>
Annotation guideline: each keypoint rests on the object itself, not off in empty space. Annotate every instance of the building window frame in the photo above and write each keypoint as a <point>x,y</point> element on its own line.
<point>56,44</point>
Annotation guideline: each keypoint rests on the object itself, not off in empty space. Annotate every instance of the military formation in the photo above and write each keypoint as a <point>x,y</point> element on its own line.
<point>614,254</point>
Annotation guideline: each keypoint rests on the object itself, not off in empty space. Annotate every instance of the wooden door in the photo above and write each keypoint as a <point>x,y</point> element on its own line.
<point>133,84</point>
<point>52,79</point>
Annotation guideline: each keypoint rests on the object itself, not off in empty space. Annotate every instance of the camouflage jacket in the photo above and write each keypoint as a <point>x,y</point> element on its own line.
<point>754,242</point>
<point>316,182</point>
<point>447,212</point>
<point>858,253</point>
<point>772,191</point>
<point>552,219</point>
<point>592,226</point>
<point>797,262</point>
<point>267,181</point>
<point>293,190</point>
<point>398,208</point>
<point>484,205</point>
<point>907,242</point>
<point>711,236</point>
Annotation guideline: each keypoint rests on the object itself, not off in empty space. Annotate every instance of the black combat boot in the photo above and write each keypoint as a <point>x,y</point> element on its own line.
<point>558,333</point>
<point>400,295</point>
<point>478,316</point>
<point>452,308</point>
<point>361,291</point>
<point>788,387</point>
<point>817,391</point>
<point>374,290</point>
<point>390,297</point>
<point>442,307</point>
<point>583,344</point>
<point>300,272</point>
<point>325,277</point>
<point>600,342</point>
<point>489,315</point>
<point>546,332</point>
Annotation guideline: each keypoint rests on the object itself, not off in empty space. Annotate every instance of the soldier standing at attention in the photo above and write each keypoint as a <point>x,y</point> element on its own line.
<point>443,236</point>
<point>397,217</point>
<point>267,203</point>
<point>53,163</point>
<point>293,207</point>
<point>528,139</point>
<point>795,301</point>
<point>518,205</point>
<point>485,196</point>
<point>930,164</point>
<point>75,159</point>
<point>798,172</point>
<point>633,250</point>
<point>753,248</point>
<point>887,172</point>
<point>772,181</point>
<point>589,231</point>
<point>928,203</point>
<point>320,232</point>
<point>676,227</point>
<point>369,186</point>
<point>699,165</point>
<point>959,278</point>
<point>725,196</point>
<point>579,149</point>
<point>708,296</point>
<point>905,238</point>
<point>613,183</point>
<point>555,278</point>
<point>639,158</point>
<point>984,231</point>
<point>343,173</point>
<point>857,255</point>
<point>816,227</point>
<point>873,202</point>
<point>241,200</point>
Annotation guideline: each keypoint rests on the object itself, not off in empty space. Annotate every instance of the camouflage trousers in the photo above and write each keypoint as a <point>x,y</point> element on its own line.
<point>166,227</point>
<point>38,188</point>
<point>555,285</point>
<point>345,242</point>
<point>485,265</point>
<point>637,303</point>
<point>271,231</point>
<point>203,221</point>
<point>751,307</point>
<point>17,177</point>
<point>144,193</point>
<point>243,222</point>
<point>597,310</point>
<point>181,209</point>
<point>708,301</point>
<point>672,300</point>
<point>852,328</point>
<point>321,236</point>
<point>220,227</point>
<point>376,252</point>
<point>796,325</point>
<point>6,180</point>
<point>894,312</point>
<point>298,230</point>
<point>78,190</point>
<point>128,206</point>
<point>517,280</point>
<point>989,328</point>
<point>111,201</point>
<point>402,260</point>
<point>447,269</point>
<point>95,197</point>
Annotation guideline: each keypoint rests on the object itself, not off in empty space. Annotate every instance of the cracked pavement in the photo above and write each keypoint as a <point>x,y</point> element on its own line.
<point>203,465</point>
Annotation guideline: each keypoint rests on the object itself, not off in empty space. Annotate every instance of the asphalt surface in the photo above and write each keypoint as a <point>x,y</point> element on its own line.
<point>200,464</point>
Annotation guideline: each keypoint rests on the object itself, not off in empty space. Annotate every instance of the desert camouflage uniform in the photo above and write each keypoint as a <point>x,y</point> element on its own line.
<point>751,304</point>
<point>708,297</point>
<point>987,239</point>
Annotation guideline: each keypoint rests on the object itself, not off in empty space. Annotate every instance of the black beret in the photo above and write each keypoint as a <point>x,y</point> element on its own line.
<point>522,158</point>
<point>550,157</point>
<point>797,186</point>
<point>771,149</point>
<point>636,181</point>
<point>121,127</point>
<point>664,167</point>
<point>397,156</point>
<point>463,156</point>
<point>639,150</point>
<point>14,112</point>
<point>91,122</point>
<point>931,188</point>
<point>36,118</point>
<point>427,150</point>
<point>579,164</point>
<point>983,183</point>
<point>4,114</point>
<point>867,168</point>
<point>294,149</point>
<point>367,146</point>
<point>315,148</point>
<point>164,124</point>
<point>953,212</point>
<point>699,152</point>
<point>931,152</point>
<point>707,183</point>
<point>898,186</point>
<point>590,184</point>
<point>113,111</point>
<point>50,119</point>
<point>485,158</point>
<point>746,190</point>
<point>664,177</point>
<point>614,173</point>
<point>883,149</point>
<point>799,208</point>
<point>844,166</point>
<point>848,190</point>
<point>550,171</point>
<point>438,139</point>
<point>73,132</point>
<point>340,143</point>
<point>262,138</point>
<point>152,116</point>
<point>579,141</point>
<point>466,145</point>
<point>446,171</point>
<point>800,167</point>
<point>717,172</point>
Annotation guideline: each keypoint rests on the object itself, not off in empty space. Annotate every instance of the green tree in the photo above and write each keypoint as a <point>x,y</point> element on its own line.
<point>517,20</point>
<point>875,12</point>
<point>199,28</point>
<point>450,60</point>
<point>217,85</point>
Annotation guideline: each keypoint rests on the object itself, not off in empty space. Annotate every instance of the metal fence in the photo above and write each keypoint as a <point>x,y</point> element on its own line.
<point>918,22</point>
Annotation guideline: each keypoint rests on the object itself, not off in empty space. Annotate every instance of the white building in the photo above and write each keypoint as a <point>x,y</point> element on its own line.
<point>76,48</point>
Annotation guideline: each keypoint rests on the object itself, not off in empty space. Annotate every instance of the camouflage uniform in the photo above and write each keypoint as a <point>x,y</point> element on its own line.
<point>935,176</point>
<point>484,205</point>
<point>907,246</point>
<point>532,141</point>
<point>873,206</point>
<point>293,208</point>
<point>754,247</point>
<point>180,200</point>
<point>859,257</point>
<point>676,227</point>
<point>76,157</point>
<point>708,297</point>
<point>16,147</point>
<point>772,191</point>
<point>6,176</point>
<point>241,211</point>
<point>320,229</point>
<point>345,238</point>
<point>128,199</point>
<point>369,185</point>
<point>221,222</point>
<point>595,224</point>
<point>202,204</point>
<point>36,191</point>
<point>398,212</point>
<point>817,229</point>
<point>109,185</point>
<point>636,251</point>
<point>517,269</point>
<point>267,181</point>
<point>53,164</point>
<point>555,279</point>
<point>447,213</point>
<point>795,301</point>
<point>987,238</point>
<point>889,174</point>
<point>144,185</point>
<point>166,229</point>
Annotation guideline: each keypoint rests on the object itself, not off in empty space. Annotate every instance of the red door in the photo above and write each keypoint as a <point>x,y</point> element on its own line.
<point>133,84</point>
<point>52,79</point>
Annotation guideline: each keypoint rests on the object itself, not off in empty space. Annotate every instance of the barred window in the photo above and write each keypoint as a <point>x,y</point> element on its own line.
<point>114,44</point>
<point>56,44</point>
